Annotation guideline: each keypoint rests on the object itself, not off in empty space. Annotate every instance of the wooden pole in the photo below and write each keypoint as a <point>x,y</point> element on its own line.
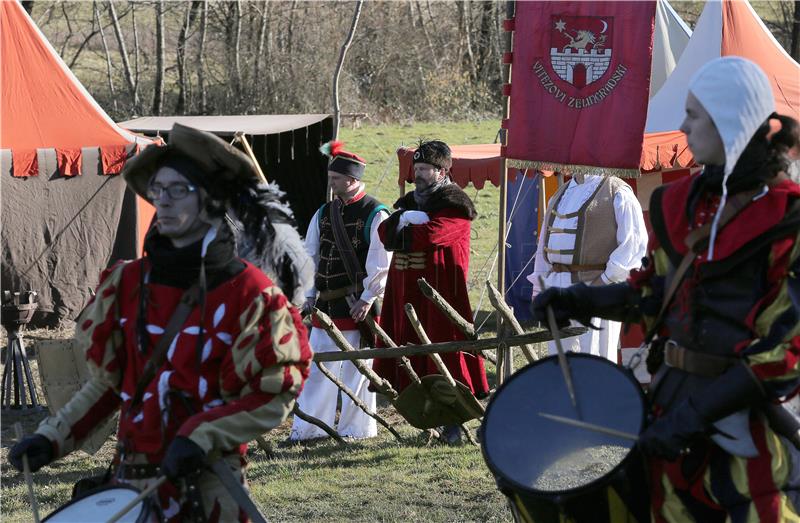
<point>423,337</point>
<point>466,327</point>
<point>26,470</point>
<point>432,294</point>
<point>505,311</point>
<point>380,384</point>
<point>386,340</point>
<point>505,356</point>
<point>447,346</point>
<point>357,401</point>
<point>319,423</point>
<point>246,145</point>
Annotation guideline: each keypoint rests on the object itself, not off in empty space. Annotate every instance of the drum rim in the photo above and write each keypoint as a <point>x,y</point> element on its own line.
<point>576,491</point>
<point>91,492</point>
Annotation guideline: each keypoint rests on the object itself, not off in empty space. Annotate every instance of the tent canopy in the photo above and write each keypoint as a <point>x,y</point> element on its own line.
<point>63,220</point>
<point>47,112</point>
<point>725,28</point>
<point>226,125</point>
<point>286,147</point>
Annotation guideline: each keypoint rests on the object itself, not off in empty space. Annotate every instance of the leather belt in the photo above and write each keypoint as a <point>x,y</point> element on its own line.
<point>140,471</point>
<point>563,267</point>
<point>336,294</point>
<point>695,362</point>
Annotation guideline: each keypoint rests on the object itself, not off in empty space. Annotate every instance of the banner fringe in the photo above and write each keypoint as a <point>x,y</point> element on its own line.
<point>573,168</point>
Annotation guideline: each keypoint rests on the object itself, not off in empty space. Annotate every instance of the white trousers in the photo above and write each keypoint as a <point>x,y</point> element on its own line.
<point>600,343</point>
<point>319,395</point>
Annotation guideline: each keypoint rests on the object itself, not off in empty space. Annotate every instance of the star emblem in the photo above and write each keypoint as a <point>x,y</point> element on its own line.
<point>560,25</point>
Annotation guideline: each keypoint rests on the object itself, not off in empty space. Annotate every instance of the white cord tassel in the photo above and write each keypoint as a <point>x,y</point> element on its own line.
<point>717,216</point>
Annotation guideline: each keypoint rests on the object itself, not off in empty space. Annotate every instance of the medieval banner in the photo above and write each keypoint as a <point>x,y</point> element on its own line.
<point>580,80</point>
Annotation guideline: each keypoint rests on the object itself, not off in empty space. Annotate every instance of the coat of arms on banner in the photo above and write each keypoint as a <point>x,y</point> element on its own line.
<point>580,48</point>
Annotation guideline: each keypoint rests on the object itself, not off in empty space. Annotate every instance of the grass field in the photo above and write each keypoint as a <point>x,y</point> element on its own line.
<point>375,480</point>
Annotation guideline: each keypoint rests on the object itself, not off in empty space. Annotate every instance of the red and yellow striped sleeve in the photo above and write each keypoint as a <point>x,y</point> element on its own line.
<point>774,353</point>
<point>261,376</point>
<point>98,333</point>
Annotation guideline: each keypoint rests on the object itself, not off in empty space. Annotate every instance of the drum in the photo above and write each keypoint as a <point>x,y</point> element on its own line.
<point>551,471</point>
<point>100,504</point>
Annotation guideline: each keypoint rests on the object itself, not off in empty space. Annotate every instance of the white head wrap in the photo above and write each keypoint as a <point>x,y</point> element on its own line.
<point>738,97</point>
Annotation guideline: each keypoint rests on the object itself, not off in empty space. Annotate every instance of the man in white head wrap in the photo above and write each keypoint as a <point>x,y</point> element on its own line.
<point>726,329</point>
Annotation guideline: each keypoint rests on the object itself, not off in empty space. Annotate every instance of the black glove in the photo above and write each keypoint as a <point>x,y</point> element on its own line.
<point>183,458</point>
<point>308,307</point>
<point>582,302</point>
<point>38,449</point>
<point>670,434</point>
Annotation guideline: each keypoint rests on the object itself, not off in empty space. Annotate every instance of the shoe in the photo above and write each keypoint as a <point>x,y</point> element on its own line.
<point>451,434</point>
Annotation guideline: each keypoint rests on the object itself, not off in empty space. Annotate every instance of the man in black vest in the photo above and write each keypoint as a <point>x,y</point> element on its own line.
<point>351,270</point>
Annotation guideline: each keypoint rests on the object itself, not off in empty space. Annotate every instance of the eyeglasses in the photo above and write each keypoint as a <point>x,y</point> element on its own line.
<point>176,191</point>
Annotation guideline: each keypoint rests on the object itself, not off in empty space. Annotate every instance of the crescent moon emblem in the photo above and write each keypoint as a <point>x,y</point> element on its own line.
<point>605,26</point>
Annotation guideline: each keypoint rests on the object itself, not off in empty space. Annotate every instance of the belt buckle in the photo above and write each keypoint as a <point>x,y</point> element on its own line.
<point>672,356</point>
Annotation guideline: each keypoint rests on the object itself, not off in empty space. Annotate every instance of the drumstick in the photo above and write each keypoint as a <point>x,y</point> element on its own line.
<point>562,357</point>
<point>135,501</point>
<point>27,471</point>
<point>590,426</point>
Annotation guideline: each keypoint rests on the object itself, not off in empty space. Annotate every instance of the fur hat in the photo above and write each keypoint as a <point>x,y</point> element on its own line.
<point>218,167</point>
<point>343,162</point>
<point>434,152</point>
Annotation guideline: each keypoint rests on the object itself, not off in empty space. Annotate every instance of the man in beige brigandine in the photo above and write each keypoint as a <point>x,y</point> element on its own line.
<point>593,232</point>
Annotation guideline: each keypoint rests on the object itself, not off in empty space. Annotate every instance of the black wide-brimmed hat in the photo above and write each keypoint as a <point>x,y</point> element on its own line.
<point>220,168</point>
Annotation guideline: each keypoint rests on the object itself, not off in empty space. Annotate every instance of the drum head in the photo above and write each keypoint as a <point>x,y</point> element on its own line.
<point>535,454</point>
<point>99,506</point>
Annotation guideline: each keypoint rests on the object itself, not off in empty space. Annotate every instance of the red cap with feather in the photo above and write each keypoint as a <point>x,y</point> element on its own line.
<point>343,162</point>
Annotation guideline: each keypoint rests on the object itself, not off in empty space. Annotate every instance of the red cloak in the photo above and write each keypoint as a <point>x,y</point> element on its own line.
<point>439,252</point>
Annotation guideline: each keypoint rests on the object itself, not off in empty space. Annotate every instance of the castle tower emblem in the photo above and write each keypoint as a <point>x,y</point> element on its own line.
<point>580,51</point>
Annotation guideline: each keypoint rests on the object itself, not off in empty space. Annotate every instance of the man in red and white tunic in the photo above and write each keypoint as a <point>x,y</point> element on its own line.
<point>234,367</point>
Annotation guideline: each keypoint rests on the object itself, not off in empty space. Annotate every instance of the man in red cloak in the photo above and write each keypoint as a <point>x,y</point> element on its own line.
<point>430,236</point>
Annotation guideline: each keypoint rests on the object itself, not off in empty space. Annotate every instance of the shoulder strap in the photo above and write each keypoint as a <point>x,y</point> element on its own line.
<point>344,245</point>
<point>696,241</point>
<point>184,308</point>
<point>368,226</point>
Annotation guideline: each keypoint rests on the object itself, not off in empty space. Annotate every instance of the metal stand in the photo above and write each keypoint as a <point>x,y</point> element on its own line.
<point>17,311</point>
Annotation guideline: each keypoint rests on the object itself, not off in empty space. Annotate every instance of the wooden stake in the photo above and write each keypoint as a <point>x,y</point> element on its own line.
<point>381,334</point>
<point>463,325</point>
<point>380,384</point>
<point>26,469</point>
<point>467,328</point>
<point>423,337</point>
<point>319,423</point>
<point>447,346</point>
<point>357,401</point>
<point>508,318</point>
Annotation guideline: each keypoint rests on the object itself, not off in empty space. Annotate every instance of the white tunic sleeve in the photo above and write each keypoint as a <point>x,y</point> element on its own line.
<point>631,237</point>
<point>312,248</point>
<point>378,262</point>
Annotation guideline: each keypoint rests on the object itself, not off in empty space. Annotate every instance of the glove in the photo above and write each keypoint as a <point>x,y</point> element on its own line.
<point>308,307</point>
<point>412,218</point>
<point>616,302</point>
<point>38,449</point>
<point>183,458</point>
<point>674,432</point>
